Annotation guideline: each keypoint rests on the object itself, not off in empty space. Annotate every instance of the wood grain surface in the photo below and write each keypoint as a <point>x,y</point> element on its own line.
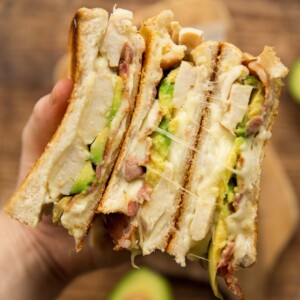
<point>33,36</point>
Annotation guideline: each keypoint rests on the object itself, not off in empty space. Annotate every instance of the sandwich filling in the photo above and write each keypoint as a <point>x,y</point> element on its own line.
<point>79,176</point>
<point>164,142</point>
<point>233,187</point>
<point>152,171</point>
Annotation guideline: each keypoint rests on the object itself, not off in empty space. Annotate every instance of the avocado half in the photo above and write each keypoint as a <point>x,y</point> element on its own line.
<point>294,81</point>
<point>142,284</point>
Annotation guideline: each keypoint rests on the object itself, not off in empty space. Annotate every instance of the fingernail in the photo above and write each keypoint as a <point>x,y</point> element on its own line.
<point>53,96</point>
<point>52,99</point>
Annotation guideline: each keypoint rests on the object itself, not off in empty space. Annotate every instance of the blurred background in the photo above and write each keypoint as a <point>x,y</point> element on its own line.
<point>34,36</point>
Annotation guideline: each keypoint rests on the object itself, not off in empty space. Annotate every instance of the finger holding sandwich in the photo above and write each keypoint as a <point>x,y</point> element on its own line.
<point>42,124</point>
<point>47,250</point>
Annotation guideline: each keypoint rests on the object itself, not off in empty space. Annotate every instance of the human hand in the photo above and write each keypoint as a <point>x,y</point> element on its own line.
<point>45,256</point>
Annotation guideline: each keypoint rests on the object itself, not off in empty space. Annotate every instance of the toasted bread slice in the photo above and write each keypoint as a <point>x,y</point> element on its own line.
<point>27,203</point>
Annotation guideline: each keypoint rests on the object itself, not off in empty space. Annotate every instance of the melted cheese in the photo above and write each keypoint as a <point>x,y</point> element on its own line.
<point>241,227</point>
<point>211,160</point>
<point>78,214</point>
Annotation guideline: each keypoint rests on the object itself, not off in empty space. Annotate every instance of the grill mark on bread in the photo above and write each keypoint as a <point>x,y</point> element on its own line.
<point>73,45</point>
<point>209,94</point>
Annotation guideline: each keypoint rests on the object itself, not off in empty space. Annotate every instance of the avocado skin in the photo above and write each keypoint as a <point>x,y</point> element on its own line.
<point>142,284</point>
<point>84,179</point>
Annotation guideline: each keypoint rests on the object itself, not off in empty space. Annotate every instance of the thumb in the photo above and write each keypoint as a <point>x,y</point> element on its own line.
<point>42,124</point>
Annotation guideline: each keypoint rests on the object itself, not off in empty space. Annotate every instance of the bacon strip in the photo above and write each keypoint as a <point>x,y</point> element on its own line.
<point>226,255</point>
<point>254,125</point>
<point>132,170</point>
<point>120,229</point>
<point>144,193</point>
<point>227,273</point>
<point>133,207</point>
<point>125,61</point>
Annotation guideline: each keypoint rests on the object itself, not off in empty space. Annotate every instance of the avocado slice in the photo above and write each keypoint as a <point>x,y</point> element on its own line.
<point>59,208</point>
<point>142,284</point>
<point>257,101</point>
<point>218,243</point>
<point>252,80</point>
<point>98,146</point>
<point>294,81</point>
<point>255,107</point>
<point>159,152</point>
<point>241,129</point>
<point>118,90</point>
<point>165,93</point>
<point>84,179</point>
<point>160,142</point>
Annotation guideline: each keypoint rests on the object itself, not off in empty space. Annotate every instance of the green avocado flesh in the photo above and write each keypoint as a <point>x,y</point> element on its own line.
<point>251,80</point>
<point>84,179</point>
<point>160,142</point>
<point>294,81</point>
<point>116,99</point>
<point>257,101</point>
<point>165,93</point>
<point>158,155</point>
<point>98,146</point>
<point>255,107</point>
<point>142,284</point>
<point>59,208</point>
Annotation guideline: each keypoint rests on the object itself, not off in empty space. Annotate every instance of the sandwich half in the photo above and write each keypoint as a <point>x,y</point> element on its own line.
<point>143,194</point>
<point>187,178</point>
<point>218,216</point>
<point>71,175</point>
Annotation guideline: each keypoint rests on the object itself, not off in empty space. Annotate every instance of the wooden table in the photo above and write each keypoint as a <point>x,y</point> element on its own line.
<point>33,37</point>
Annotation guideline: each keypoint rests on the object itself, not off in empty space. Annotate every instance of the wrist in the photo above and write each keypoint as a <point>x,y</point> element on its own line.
<point>26,269</point>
